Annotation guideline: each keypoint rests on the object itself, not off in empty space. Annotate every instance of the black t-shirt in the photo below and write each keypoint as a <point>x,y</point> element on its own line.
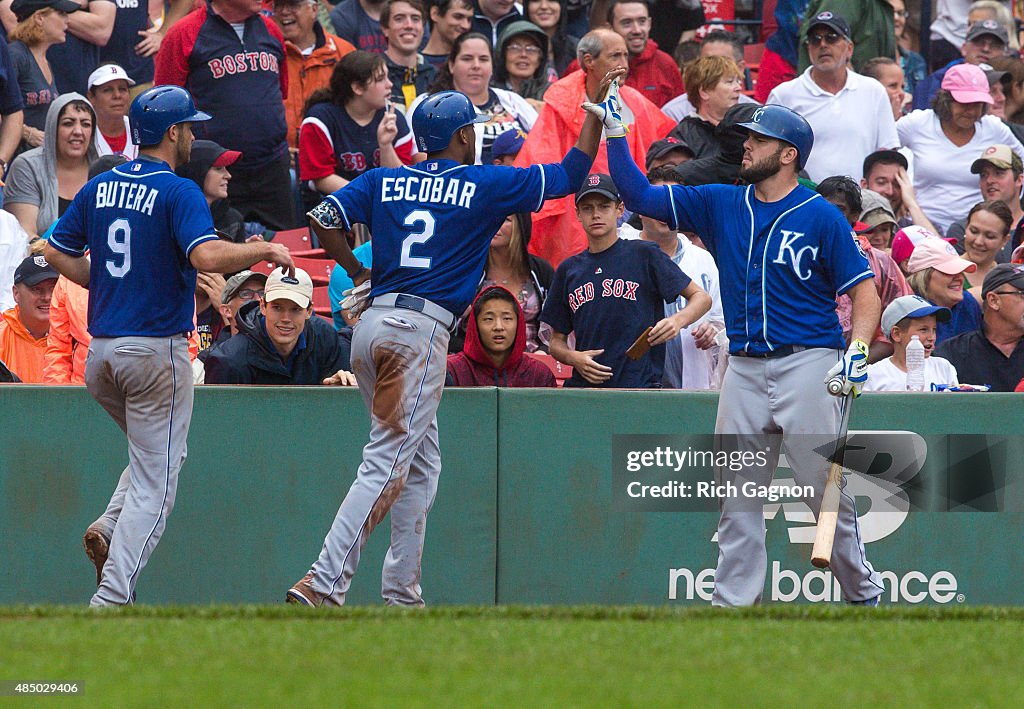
<point>978,361</point>
<point>36,91</point>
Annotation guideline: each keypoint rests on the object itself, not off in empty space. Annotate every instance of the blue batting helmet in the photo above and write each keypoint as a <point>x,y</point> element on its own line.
<point>157,109</point>
<point>437,118</point>
<point>786,125</point>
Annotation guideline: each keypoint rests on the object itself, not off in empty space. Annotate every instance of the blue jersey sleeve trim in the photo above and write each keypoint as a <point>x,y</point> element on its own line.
<point>543,189</point>
<point>344,214</point>
<point>854,281</point>
<point>65,249</point>
<point>196,242</point>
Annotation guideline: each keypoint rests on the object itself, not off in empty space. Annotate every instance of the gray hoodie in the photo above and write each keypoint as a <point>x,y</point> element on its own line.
<point>32,178</point>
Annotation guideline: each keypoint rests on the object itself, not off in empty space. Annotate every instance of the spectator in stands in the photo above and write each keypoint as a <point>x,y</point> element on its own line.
<point>672,21</point>
<point>993,353</point>
<point>873,28</point>
<point>199,53</point>
<point>782,49</point>
<point>134,42</point>
<point>280,341</point>
<point>207,166</point>
<point>692,356</point>
<point>902,319</point>
<point>447,20</point>
<point>556,231</point>
<point>885,172</point>
<point>986,236</point>
<point>913,65</point>
<point>469,70</point>
<point>722,167</point>
<point>42,182</point>
<point>1013,87</point>
<point>946,140</point>
<point>492,16</point>
<point>889,74</point>
<point>13,249</point>
<point>311,55</point>
<point>506,147</point>
<point>713,85</point>
<point>526,276</point>
<point>401,21</point>
<point>610,294</point>
<point>108,94</point>
<point>358,23</point>
<point>23,328</point>
<point>89,29</point>
<point>495,349</point>
<point>848,112</point>
<point>243,287</point>
<point>652,72</point>
<point>348,127</point>
<point>986,40</point>
<point>40,26</point>
<point>876,223</point>
<point>937,274</point>
<point>669,151</point>
<point>552,17</point>
<point>904,241</point>
<point>717,43</point>
<point>999,171</point>
<point>522,57</point>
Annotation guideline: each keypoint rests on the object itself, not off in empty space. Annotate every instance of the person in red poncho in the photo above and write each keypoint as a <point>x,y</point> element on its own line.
<point>495,350</point>
<point>557,233</point>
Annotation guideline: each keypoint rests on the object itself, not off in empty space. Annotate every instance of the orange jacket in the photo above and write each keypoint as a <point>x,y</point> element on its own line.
<point>22,353</point>
<point>557,233</point>
<point>68,340</point>
<point>307,74</point>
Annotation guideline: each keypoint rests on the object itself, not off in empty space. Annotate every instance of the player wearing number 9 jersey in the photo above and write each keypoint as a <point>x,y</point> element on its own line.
<point>432,225</point>
<point>146,231</point>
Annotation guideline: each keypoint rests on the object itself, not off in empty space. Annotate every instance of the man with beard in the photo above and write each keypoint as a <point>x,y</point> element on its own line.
<point>786,253</point>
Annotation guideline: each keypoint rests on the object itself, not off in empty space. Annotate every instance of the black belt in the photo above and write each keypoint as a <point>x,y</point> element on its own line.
<point>415,303</point>
<point>783,351</point>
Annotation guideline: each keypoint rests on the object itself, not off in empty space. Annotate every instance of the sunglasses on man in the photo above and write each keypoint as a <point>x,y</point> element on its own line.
<point>817,39</point>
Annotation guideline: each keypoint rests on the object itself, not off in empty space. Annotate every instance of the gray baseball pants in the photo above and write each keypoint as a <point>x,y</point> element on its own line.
<point>765,403</point>
<point>399,358</point>
<point>145,384</point>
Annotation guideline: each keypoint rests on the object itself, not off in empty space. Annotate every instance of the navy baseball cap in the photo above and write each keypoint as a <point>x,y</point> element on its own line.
<point>1001,275</point>
<point>911,306</point>
<point>663,147</point>
<point>33,270</point>
<point>24,9</point>
<point>508,143</point>
<point>833,21</point>
<point>598,184</point>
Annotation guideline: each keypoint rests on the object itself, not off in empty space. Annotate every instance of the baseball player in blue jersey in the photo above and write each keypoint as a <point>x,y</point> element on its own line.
<point>146,232</point>
<point>785,253</point>
<point>432,225</point>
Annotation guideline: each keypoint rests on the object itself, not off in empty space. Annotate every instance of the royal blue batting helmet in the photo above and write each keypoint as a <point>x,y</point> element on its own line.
<point>437,118</point>
<point>157,109</point>
<point>786,125</point>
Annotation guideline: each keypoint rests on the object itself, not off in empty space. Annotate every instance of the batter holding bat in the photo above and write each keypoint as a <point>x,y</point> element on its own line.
<point>787,253</point>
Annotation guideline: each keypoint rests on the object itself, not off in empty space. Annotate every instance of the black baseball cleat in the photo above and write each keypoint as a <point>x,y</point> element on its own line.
<point>302,593</point>
<point>97,546</point>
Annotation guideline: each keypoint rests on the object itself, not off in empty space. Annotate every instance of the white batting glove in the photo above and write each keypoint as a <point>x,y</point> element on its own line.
<point>356,299</point>
<point>850,373</point>
<point>609,112</point>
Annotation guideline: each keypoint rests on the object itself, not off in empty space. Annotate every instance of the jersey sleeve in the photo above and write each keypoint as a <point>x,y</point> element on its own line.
<point>556,311</point>
<point>844,259</point>
<point>70,236</point>
<point>525,189</point>
<point>10,94</point>
<point>351,204</point>
<point>190,218</point>
<point>316,152</point>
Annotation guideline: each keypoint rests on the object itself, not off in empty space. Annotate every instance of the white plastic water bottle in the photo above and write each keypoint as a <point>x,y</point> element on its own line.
<point>915,365</point>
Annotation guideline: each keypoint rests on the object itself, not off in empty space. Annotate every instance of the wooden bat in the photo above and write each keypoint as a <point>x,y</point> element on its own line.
<point>828,515</point>
<point>640,346</point>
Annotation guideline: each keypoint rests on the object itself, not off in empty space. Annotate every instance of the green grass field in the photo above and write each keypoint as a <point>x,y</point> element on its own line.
<point>282,655</point>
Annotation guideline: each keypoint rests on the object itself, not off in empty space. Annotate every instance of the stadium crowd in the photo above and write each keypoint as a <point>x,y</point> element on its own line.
<point>925,162</point>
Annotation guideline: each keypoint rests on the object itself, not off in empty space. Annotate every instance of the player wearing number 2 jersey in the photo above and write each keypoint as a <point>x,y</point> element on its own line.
<point>147,231</point>
<point>432,225</point>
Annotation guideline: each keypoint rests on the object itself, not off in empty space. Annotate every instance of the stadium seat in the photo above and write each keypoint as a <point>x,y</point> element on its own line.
<point>294,239</point>
<point>322,301</point>
<point>561,371</point>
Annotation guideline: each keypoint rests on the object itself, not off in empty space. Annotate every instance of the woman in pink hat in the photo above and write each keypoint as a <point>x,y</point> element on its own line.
<point>937,274</point>
<point>947,138</point>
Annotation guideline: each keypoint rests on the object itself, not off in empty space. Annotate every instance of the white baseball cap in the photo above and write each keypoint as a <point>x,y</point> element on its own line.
<point>107,73</point>
<point>297,288</point>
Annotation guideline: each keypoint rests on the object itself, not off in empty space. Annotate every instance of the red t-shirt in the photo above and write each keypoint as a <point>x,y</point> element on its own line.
<point>117,144</point>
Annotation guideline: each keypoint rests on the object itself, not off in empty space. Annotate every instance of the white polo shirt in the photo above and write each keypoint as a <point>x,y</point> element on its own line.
<point>848,126</point>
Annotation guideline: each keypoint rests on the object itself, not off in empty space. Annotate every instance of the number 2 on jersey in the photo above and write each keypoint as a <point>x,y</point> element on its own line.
<point>119,240</point>
<point>418,216</point>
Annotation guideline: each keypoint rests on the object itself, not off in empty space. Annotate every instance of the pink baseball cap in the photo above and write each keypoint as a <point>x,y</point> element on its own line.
<point>940,255</point>
<point>907,238</point>
<point>967,83</point>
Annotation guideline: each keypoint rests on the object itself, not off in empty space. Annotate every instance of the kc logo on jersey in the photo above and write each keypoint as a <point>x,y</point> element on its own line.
<point>795,255</point>
<point>242,62</point>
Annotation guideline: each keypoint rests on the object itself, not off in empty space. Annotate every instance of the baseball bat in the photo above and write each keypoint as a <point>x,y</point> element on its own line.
<point>828,515</point>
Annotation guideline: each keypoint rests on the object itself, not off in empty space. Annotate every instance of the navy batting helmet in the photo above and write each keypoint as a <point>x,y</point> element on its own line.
<point>157,109</point>
<point>786,125</point>
<point>437,118</point>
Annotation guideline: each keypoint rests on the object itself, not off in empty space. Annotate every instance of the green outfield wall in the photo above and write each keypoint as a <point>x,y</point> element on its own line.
<point>526,510</point>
